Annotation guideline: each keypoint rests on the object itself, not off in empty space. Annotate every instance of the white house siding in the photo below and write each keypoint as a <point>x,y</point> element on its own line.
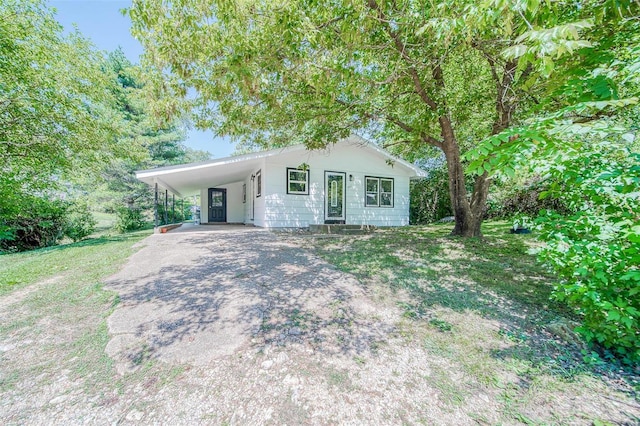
<point>293,210</point>
<point>248,211</point>
<point>254,206</point>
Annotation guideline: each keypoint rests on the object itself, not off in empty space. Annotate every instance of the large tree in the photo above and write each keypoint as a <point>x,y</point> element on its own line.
<point>56,102</point>
<point>112,184</point>
<point>420,75</point>
<point>585,146</point>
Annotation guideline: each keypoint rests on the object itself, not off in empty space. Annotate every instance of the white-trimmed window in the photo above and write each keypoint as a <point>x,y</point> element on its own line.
<point>297,181</point>
<point>378,192</point>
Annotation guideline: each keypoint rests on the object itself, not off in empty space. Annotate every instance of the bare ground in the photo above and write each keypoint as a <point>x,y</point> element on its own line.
<point>246,327</point>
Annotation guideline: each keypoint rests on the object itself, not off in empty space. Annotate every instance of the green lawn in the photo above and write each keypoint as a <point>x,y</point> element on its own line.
<point>105,221</point>
<point>57,292</point>
<point>83,262</point>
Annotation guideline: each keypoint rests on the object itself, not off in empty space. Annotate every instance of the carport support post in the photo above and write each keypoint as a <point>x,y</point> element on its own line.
<point>166,206</point>
<point>155,208</point>
<point>173,208</point>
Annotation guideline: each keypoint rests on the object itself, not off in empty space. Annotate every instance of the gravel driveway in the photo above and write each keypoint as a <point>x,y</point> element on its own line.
<point>200,293</point>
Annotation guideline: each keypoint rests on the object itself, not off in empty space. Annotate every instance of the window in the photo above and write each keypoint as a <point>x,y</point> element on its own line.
<point>258,183</point>
<point>297,181</point>
<point>244,192</point>
<point>378,192</point>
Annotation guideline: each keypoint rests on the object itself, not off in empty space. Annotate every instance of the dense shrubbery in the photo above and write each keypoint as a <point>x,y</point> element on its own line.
<point>430,199</point>
<point>129,219</point>
<point>596,250</point>
<point>41,222</point>
<point>80,221</point>
<point>512,199</point>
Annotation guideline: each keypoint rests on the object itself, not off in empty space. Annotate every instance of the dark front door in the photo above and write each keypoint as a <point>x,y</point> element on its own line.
<point>217,205</point>
<point>334,197</point>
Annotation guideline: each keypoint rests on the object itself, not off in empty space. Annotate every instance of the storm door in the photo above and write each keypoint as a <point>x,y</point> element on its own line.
<point>335,192</point>
<point>217,205</point>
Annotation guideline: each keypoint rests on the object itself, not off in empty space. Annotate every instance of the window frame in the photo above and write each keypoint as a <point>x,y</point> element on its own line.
<point>379,192</point>
<point>290,181</point>
<point>258,183</point>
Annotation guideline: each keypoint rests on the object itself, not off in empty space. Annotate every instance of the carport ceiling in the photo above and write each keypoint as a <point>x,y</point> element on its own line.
<point>187,179</point>
<point>190,178</point>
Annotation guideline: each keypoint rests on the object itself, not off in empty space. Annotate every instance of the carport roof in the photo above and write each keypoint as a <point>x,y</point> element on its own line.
<point>187,179</point>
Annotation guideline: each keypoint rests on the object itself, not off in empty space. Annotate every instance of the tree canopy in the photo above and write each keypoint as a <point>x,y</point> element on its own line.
<point>57,101</point>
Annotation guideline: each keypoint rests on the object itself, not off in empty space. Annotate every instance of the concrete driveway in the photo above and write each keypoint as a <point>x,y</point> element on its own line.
<point>200,293</point>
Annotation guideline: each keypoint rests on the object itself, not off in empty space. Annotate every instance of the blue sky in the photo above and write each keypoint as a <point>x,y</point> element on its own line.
<point>102,23</point>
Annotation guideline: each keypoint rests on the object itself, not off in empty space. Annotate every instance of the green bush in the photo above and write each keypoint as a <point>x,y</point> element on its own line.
<point>596,251</point>
<point>39,222</point>
<point>523,200</point>
<point>128,219</point>
<point>80,221</point>
<point>429,198</point>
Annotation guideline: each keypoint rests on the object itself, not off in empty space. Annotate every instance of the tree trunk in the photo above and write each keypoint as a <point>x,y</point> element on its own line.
<point>468,214</point>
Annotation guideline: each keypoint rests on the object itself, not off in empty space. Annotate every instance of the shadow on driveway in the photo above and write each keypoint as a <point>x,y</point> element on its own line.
<point>192,297</point>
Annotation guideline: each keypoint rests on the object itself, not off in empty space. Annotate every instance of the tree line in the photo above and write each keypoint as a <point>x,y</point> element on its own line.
<point>74,125</point>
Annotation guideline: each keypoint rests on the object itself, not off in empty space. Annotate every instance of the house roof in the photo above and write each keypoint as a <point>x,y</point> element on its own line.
<point>187,179</point>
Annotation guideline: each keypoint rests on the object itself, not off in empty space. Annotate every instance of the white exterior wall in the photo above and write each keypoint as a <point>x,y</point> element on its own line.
<point>253,207</point>
<point>235,208</point>
<point>247,206</point>
<point>259,207</point>
<point>294,210</point>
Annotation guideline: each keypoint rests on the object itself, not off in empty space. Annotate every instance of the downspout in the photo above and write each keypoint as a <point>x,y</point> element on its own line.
<point>253,197</point>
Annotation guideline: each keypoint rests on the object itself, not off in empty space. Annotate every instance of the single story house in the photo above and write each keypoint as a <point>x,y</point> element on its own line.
<point>350,182</point>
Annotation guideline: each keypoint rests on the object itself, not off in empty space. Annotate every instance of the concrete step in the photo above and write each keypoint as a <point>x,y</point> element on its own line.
<point>353,231</point>
<point>341,229</point>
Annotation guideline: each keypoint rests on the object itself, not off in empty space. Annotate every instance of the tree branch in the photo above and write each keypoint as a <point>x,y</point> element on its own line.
<point>401,48</point>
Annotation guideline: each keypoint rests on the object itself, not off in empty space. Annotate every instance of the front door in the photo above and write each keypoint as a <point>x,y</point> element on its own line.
<point>334,194</point>
<point>217,205</point>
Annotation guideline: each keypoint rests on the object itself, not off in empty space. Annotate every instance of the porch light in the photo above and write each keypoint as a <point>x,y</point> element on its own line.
<point>350,178</point>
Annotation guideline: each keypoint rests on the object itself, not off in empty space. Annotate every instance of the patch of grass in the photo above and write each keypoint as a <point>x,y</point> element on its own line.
<point>494,276</point>
<point>338,378</point>
<point>441,325</point>
<point>90,362</point>
<point>450,392</point>
<point>458,273</point>
<point>104,222</point>
<point>62,323</point>
<point>8,380</point>
<point>87,260</point>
